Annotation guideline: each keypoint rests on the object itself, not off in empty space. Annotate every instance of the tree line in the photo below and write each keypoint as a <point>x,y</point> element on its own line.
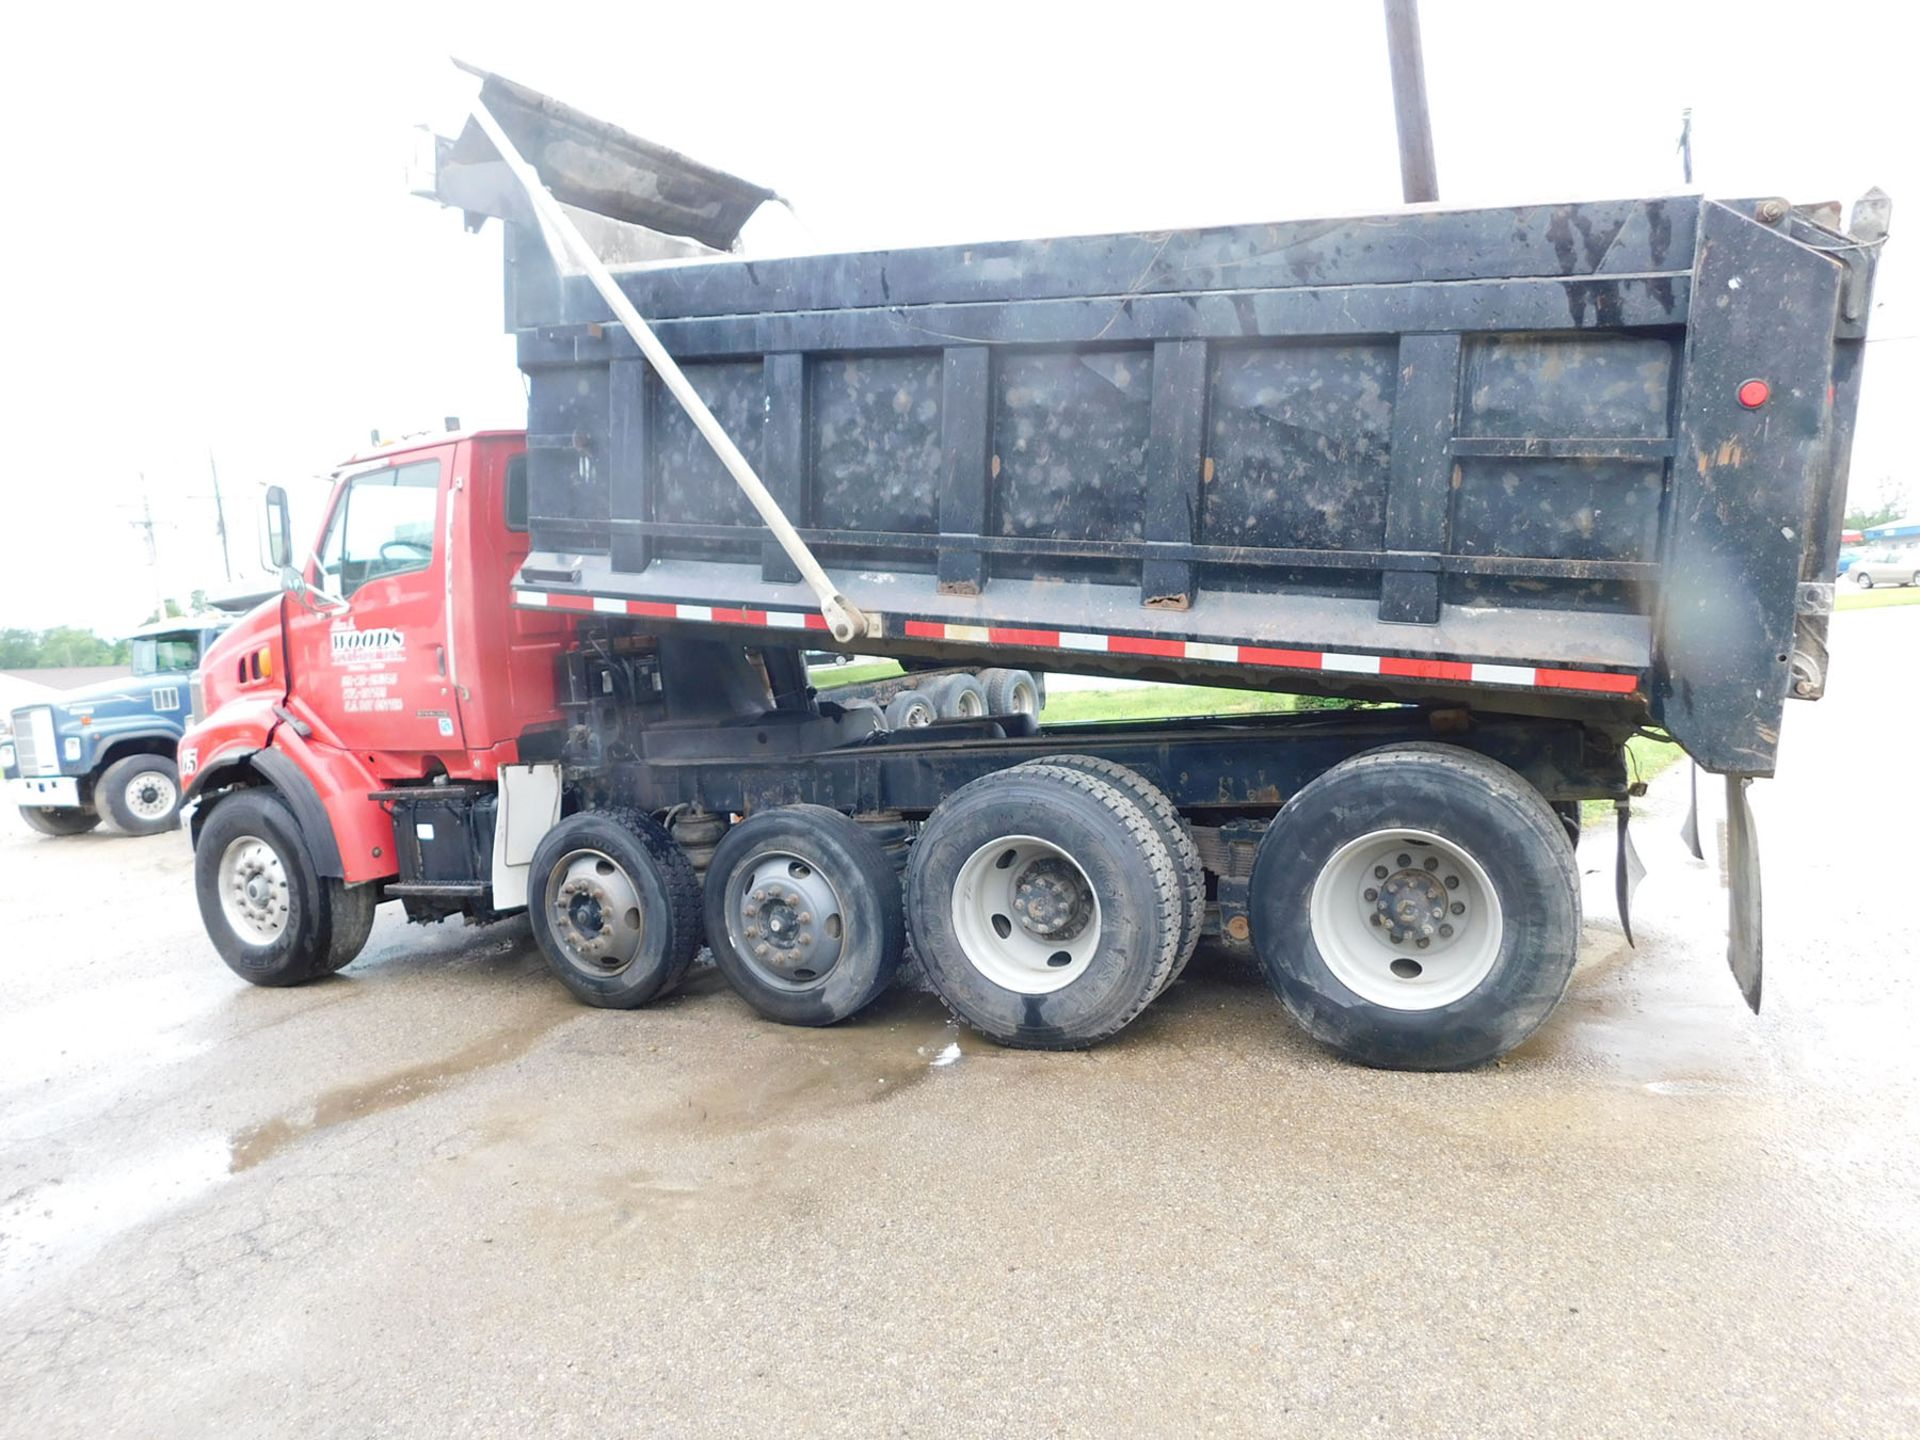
<point>58,648</point>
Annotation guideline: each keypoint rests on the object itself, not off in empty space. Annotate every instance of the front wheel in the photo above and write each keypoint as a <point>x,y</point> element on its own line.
<point>273,917</point>
<point>58,821</point>
<point>141,794</point>
<point>1862,579</point>
<point>1417,908</point>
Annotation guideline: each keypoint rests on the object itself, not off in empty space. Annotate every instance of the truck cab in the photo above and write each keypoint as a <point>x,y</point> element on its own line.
<point>393,656</point>
<point>107,751</point>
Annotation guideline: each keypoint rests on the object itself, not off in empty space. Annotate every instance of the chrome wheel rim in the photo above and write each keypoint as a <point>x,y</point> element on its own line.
<point>594,906</point>
<point>1026,915</point>
<point>785,919</point>
<point>150,795</point>
<point>254,895</point>
<point>1406,919</point>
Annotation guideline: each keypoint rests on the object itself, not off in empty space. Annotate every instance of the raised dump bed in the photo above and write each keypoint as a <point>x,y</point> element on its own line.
<point>1546,458</point>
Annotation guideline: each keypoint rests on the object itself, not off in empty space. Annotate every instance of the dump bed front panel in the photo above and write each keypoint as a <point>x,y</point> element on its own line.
<point>1416,454</point>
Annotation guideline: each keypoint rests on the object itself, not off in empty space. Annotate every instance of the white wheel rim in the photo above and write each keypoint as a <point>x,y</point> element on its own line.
<point>1374,920</point>
<point>919,716</point>
<point>1023,701</point>
<point>968,705</point>
<point>596,914</point>
<point>1025,915</point>
<point>253,890</point>
<point>150,795</point>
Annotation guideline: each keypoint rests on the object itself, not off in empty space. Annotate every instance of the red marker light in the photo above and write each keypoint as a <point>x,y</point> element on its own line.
<point>1754,393</point>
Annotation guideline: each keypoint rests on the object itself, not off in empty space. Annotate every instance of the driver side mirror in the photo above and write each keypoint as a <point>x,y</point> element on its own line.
<point>279,529</point>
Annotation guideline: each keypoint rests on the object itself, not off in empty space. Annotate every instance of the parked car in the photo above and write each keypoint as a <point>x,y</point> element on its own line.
<point>1847,558</point>
<point>1886,567</point>
<point>106,751</point>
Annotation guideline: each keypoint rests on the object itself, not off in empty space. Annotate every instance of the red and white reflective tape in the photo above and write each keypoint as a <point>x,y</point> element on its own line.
<point>1462,672</point>
<point>667,610</point>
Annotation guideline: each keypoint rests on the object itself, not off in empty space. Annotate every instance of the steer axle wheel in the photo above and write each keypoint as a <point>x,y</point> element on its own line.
<point>803,914</point>
<point>1417,908</point>
<point>615,907</point>
<point>270,913</point>
<point>141,794</point>
<point>1045,906</point>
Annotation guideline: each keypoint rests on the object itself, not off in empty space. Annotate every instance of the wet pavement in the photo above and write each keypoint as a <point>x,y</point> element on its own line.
<point>434,1196</point>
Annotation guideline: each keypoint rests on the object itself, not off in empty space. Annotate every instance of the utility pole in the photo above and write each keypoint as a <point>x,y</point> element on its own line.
<point>220,516</point>
<point>146,526</point>
<point>1418,179</point>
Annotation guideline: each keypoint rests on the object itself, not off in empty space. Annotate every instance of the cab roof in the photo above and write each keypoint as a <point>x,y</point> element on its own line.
<point>424,440</point>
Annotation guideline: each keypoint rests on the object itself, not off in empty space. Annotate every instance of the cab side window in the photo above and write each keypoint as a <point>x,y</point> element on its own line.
<point>383,525</point>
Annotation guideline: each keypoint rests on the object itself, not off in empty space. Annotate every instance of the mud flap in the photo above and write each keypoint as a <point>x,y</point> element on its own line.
<point>1743,890</point>
<point>1628,871</point>
<point>1690,827</point>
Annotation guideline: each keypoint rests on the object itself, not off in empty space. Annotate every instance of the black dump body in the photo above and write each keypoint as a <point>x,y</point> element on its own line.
<point>1487,457</point>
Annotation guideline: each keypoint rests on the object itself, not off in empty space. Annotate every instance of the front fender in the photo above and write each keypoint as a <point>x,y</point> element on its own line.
<point>350,836</point>
<point>230,736</point>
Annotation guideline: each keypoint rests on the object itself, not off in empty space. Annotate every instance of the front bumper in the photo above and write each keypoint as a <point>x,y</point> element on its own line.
<point>45,791</point>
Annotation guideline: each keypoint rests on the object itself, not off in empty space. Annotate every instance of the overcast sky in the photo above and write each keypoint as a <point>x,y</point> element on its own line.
<point>210,248</point>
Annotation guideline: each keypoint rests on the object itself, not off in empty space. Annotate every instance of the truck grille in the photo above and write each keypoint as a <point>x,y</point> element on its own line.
<point>33,743</point>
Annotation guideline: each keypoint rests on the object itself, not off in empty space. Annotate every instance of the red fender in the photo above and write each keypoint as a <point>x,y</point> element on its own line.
<point>350,836</point>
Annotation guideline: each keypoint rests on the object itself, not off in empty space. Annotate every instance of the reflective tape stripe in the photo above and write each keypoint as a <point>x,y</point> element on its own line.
<point>1214,652</point>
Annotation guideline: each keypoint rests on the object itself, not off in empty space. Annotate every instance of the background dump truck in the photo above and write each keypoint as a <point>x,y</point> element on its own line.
<point>1527,479</point>
<point>106,751</point>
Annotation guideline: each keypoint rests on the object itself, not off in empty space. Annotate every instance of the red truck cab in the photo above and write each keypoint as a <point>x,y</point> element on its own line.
<point>386,666</point>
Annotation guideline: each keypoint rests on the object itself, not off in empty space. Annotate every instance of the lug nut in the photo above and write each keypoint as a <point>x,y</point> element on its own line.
<point>1458,908</point>
<point>1379,872</point>
<point>1371,895</point>
<point>753,932</point>
<point>1404,861</point>
<point>1375,918</point>
<point>1453,882</point>
<point>1431,863</point>
<point>1446,932</point>
<point>761,951</point>
<point>1422,943</point>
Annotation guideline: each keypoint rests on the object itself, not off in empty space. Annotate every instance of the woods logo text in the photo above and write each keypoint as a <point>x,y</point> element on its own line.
<point>350,644</point>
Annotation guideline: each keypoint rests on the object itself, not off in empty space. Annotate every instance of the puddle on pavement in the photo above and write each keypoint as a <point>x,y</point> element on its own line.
<point>71,1219</point>
<point>903,1039</point>
<point>389,1091</point>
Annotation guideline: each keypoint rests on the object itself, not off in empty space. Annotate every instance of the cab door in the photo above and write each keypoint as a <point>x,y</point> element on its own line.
<point>374,674</point>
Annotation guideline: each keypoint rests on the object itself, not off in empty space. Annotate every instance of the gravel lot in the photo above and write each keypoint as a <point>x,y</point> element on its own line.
<point>434,1196</point>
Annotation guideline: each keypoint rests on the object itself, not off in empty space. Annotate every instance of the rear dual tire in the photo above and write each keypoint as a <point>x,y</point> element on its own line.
<point>58,820</point>
<point>1045,906</point>
<point>1417,908</point>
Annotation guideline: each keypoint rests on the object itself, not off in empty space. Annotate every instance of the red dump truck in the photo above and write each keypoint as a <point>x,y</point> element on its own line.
<point>1517,483</point>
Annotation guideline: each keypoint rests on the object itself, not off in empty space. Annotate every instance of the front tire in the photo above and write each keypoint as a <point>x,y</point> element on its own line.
<point>1011,692</point>
<point>141,794</point>
<point>1863,580</point>
<point>615,907</point>
<point>1417,908</point>
<point>58,820</point>
<point>803,914</point>
<point>273,917</point>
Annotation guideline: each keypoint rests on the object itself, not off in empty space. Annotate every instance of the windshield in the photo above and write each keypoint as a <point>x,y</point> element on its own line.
<point>164,654</point>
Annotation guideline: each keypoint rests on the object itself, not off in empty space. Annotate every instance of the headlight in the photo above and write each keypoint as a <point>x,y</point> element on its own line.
<point>7,762</point>
<point>71,749</point>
